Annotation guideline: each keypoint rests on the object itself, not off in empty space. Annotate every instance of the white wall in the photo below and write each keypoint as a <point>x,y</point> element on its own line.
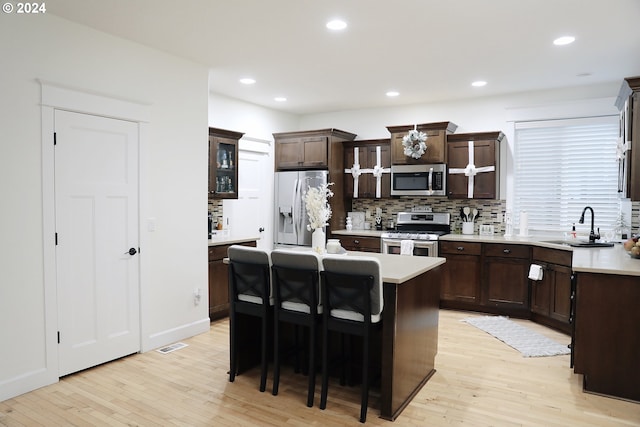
<point>174,182</point>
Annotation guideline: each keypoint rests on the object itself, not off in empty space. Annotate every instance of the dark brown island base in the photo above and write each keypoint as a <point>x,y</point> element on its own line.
<point>409,340</point>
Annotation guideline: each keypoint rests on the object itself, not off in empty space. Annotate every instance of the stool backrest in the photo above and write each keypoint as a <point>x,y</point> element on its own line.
<point>296,280</point>
<point>249,274</point>
<point>352,288</point>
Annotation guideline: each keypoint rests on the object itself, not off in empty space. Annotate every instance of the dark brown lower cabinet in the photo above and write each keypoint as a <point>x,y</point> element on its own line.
<point>505,285</point>
<point>551,296</point>
<point>460,287</point>
<point>607,342</point>
<point>219,280</point>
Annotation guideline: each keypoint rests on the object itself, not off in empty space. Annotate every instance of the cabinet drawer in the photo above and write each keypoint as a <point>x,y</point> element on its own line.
<point>467,248</point>
<point>506,250</point>
<point>217,253</point>
<point>553,256</point>
<point>356,243</point>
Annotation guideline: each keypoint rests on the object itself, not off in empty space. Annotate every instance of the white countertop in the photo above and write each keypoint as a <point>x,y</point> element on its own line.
<point>229,238</point>
<point>400,268</point>
<point>613,260</point>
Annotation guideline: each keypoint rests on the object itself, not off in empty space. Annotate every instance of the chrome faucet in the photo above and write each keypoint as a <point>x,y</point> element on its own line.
<point>592,235</point>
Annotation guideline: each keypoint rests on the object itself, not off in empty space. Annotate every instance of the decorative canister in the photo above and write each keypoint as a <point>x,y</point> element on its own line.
<point>333,246</point>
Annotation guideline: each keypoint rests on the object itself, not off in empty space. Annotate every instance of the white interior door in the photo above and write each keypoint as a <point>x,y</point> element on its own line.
<point>251,214</point>
<point>96,200</point>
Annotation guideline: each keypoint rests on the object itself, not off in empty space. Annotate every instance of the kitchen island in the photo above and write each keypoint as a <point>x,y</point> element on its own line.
<point>409,338</point>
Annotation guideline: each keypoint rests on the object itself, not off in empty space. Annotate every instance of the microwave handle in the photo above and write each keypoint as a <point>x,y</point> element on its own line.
<point>430,181</point>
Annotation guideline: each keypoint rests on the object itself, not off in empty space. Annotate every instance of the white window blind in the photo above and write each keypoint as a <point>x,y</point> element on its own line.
<point>561,166</point>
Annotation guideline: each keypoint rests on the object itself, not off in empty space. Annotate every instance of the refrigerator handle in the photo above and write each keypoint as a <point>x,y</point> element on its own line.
<point>294,208</point>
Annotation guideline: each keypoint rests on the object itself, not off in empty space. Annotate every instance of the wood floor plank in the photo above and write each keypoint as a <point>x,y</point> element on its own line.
<point>480,381</point>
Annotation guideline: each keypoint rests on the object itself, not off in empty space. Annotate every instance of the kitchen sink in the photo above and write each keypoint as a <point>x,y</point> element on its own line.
<point>590,244</point>
<point>580,244</point>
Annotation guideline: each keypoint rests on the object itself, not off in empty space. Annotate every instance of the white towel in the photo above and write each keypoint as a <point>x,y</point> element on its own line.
<point>406,247</point>
<point>535,272</point>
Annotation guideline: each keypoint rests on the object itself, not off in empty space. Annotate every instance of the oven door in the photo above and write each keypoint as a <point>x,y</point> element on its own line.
<point>420,247</point>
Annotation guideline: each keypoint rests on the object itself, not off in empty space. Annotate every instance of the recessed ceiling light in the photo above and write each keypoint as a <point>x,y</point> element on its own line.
<point>247,81</point>
<point>479,83</point>
<point>280,99</point>
<point>561,41</point>
<point>392,93</point>
<point>336,25</point>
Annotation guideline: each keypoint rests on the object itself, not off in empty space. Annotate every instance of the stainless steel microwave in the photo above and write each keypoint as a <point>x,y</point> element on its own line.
<point>419,180</point>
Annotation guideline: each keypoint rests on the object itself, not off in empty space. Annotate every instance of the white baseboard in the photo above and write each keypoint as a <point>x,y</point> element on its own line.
<point>163,338</point>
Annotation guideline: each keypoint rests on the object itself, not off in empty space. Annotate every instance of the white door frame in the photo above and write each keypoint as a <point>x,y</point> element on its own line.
<point>60,97</point>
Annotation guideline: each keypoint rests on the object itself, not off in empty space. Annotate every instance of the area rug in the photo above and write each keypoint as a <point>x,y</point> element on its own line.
<point>526,341</point>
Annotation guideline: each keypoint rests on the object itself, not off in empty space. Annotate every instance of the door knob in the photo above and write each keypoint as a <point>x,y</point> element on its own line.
<point>131,251</point>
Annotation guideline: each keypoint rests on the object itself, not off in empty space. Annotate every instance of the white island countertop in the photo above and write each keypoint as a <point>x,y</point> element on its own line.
<point>608,260</point>
<point>400,268</point>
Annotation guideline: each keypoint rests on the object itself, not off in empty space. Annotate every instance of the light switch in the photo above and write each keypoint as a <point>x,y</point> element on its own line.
<point>151,224</point>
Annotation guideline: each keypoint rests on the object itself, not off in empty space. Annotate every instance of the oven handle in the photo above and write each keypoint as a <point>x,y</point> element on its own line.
<point>416,243</point>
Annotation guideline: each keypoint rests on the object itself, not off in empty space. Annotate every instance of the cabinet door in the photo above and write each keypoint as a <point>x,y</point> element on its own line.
<point>560,303</point>
<point>218,289</point>
<point>368,159</point>
<point>485,184</point>
<point>436,148</point>
<point>385,181</point>
<point>506,283</point>
<point>289,153</point>
<point>315,152</point>
<point>541,293</point>
<point>461,279</point>
<point>462,272</point>
<point>223,163</point>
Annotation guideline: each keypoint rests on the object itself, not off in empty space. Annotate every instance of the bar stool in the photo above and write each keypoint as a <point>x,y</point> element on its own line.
<point>352,303</point>
<point>249,294</point>
<point>296,283</point>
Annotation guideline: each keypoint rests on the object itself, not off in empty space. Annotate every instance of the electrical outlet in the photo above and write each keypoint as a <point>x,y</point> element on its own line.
<point>197,296</point>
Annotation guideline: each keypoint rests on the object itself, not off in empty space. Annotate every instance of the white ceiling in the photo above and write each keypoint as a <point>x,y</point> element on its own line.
<point>428,50</point>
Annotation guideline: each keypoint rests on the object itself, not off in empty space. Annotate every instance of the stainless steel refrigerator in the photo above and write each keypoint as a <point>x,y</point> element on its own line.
<point>291,216</point>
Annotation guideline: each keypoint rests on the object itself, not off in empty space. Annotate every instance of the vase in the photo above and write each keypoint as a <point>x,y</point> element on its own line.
<point>318,239</point>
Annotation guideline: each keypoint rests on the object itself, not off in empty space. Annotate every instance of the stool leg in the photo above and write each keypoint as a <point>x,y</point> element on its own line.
<point>312,363</point>
<point>263,368</point>
<point>325,367</point>
<point>365,379</point>
<point>276,355</point>
<point>232,345</point>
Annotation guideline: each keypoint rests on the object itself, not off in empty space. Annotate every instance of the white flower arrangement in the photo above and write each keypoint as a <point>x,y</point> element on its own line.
<point>414,143</point>
<point>316,200</point>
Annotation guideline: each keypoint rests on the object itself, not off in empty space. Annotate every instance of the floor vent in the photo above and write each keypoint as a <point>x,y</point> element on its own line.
<point>172,347</point>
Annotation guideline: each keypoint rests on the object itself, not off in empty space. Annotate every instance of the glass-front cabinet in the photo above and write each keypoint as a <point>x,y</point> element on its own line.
<point>223,163</point>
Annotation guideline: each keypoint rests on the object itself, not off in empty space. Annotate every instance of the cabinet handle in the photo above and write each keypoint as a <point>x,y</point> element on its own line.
<point>460,248</point>
<point>356,242</point>
<point>506,251</point>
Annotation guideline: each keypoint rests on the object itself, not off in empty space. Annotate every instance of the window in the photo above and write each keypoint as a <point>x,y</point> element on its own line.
<point>561,166</point>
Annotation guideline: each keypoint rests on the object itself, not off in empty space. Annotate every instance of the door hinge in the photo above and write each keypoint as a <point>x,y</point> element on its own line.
<point>58,337</point>
<point>55,140</point>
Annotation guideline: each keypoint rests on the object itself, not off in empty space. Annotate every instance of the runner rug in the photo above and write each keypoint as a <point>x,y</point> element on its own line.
<point>523,339</point>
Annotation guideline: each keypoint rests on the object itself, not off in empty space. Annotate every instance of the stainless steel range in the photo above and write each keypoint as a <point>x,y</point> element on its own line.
<point>416,233</point>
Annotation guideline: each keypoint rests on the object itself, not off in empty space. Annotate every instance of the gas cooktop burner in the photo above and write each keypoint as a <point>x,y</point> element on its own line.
<point>420,226</point>
<point>411,235</point>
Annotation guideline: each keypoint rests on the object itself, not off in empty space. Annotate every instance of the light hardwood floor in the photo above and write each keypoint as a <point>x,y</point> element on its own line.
<point>479,382</point>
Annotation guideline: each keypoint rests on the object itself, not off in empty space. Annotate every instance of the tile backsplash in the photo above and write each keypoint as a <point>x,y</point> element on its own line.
<point>489,211</point>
